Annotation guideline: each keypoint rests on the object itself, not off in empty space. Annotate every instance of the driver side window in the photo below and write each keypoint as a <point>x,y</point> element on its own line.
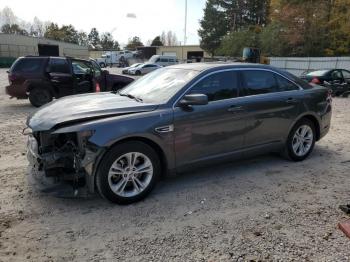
<point>80,68</point>
<point>218,86</point>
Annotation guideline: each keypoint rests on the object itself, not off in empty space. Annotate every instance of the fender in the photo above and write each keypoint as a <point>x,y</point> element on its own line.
<point>306,114</point>
<point>29,84</point>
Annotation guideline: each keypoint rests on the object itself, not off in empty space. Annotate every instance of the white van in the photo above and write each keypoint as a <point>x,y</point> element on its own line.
<point>114,57</point>
<point>163,60</point>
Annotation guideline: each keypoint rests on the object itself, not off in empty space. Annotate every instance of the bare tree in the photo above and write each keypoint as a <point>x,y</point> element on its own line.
<point>169,38</point>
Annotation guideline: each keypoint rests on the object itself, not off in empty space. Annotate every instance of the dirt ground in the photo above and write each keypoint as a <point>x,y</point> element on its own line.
<point>265,208</point>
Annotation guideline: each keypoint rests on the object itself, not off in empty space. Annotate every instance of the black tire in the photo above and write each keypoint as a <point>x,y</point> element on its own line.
<point>102,65</point>
<point>102,178</point>
<point>289,151</point>
<point>138,73</point>
<point>39,96</point>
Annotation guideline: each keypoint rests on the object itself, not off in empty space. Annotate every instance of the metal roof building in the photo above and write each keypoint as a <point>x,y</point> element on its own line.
<point>13,46</point>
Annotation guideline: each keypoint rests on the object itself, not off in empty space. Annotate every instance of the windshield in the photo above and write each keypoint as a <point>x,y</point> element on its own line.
<point>153,59</point>
<point>160,85</point>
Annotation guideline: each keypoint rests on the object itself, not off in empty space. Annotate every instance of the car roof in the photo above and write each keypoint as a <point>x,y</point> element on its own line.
<point>218,65</point>
<point>58,57</point>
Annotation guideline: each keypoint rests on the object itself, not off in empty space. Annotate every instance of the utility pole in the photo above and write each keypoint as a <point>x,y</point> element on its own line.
<point>185,30</point>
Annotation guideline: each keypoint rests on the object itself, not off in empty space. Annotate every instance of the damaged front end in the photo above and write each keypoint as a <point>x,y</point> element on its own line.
<point>62,163</point>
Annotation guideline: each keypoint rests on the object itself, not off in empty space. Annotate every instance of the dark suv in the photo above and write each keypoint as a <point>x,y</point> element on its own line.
<point>44,78</point>
<point>174,118</point>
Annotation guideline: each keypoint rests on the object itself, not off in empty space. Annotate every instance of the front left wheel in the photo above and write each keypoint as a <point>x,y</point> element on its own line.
<point>128,172</point>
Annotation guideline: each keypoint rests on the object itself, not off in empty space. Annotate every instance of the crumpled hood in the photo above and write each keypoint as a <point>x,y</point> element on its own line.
<point>84,107</point>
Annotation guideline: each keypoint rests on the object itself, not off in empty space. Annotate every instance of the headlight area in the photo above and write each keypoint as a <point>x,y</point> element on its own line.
<point>67,157</point>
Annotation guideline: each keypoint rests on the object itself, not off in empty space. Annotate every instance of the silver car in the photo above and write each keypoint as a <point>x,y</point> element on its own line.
<point>143,69</point>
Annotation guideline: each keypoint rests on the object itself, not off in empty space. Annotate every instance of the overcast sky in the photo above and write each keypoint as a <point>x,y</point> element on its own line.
<point>126,18</point>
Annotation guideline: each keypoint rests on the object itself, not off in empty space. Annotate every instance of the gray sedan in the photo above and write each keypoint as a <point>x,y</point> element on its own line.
<point>175,118</point>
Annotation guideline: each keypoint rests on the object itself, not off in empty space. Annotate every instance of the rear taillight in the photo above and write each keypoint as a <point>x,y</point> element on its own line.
<point>316,81</point>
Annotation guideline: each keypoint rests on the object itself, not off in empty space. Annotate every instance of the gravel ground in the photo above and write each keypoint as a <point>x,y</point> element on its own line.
<point>266,208</point>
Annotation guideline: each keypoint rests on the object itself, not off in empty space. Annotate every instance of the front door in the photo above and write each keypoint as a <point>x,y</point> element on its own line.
<point>272,103</point>
<point>212,130</point>
<point>83,76</point>
<point>61,77</point>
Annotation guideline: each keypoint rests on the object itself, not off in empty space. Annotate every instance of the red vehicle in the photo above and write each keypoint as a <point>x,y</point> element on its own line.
<point>43,78</point>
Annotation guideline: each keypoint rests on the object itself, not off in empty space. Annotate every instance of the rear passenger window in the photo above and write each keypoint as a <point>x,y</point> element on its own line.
<point>285,85</point>
<point>259,82</point>
<point>164,60</point>
<point>28,65</point>
<point>58,65</point>
<point>219,86</point>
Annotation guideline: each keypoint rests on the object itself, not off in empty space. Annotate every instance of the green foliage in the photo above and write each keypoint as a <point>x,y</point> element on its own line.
<point>157,42</point>
<point>277,27</point>
<point>134,43</point>
<point>66,33</point>
<point>13,29</point>
<point>107,42</point>
<point>94,38</point>
<point>213,27</point>
<point>233,44</point>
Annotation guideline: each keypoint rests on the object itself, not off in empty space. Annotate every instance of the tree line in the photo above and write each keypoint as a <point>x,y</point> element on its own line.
<point>277,27</point>
<point>95,40</point>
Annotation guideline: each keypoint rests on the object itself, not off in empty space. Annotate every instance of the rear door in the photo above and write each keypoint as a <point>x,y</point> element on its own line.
<point>272,103</point>
<point>99,76</point>
<point>60,76</point>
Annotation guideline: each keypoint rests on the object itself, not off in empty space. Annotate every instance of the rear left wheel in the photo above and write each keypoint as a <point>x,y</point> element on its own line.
<point>301,140</point>
<point>128,172</point>
<point>39,97</point>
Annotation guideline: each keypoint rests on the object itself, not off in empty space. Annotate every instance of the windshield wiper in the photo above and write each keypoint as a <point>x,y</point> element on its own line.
<point>132,97</point>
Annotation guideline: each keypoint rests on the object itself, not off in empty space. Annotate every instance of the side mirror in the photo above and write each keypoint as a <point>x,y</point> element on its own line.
<point>194,100</point>
<point>106,72</point>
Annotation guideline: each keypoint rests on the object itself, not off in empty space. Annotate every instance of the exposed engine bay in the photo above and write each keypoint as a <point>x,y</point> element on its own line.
<point>63,158</point>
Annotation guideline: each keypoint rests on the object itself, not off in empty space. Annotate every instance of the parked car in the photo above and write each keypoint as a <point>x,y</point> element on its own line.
<point>143,69</point>
<point>114,58</point>
<point>175,118</point>
<point>44,78</point>
<point>338,80</point>
<point>163,60</point>
<point>126,69</point>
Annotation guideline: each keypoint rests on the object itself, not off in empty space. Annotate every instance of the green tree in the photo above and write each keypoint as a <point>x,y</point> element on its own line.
<point>13,29</point>
<point>157,42</point>
<point>304,28</point>
<point>69,34</point>
<point>107,41</point>
<point>83,39</point>
<point>66,33</point>
<point>94,38</point>
<point>134,43</point>
<point>213,27</point>
<point>339,28</point>
<point>233,44</point>
<point>53,32</point>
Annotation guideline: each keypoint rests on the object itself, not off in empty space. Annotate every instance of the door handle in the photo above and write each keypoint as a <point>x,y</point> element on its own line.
<point>55,81</point>
<point>235,109</point>
<point>292,101</point>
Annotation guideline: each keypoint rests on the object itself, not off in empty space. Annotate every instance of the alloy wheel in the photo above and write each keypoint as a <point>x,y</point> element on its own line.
<point>302,140</point>
<point>130,174</point>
